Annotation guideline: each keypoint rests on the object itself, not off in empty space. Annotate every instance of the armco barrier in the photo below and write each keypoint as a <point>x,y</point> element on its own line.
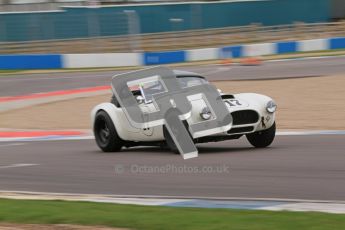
<point>156,58</point>
<point>56,61</point>
<point>34,61</point>
<point>337,43</point>
<point>254,50</point>
<point>231,51</point>
<point>101,60</point>
<point>313,45</point>
<point>286,47</point>
<point>202,54</point>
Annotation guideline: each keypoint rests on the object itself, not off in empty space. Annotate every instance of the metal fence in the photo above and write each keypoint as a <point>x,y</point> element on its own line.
<point>136,42</point>
<point>59,25</point>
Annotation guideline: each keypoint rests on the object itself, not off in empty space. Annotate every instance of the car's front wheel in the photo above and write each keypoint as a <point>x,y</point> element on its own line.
<point>262,139</point>
<point>105,133</point>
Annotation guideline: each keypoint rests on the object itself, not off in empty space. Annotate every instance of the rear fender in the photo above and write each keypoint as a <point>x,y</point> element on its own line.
<point>119,119</point>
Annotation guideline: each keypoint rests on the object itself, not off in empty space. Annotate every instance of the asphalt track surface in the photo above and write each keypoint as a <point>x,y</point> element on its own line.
<point>13,85</point>
<point>297,167</point>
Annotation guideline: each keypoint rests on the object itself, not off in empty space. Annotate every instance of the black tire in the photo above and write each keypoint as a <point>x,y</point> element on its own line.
<point>264,138</point>
<point>105,133</point>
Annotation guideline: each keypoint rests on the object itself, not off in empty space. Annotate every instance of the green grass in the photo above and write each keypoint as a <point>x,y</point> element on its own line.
<point>146,217</point>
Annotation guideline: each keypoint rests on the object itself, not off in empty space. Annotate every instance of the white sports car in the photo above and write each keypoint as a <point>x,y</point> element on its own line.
<point>253,115</point>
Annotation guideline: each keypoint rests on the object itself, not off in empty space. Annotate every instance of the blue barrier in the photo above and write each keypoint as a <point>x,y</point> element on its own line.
<point>156,58</point>
<point>234,51</point>
<point>286,47</point>
<point>337,43</point>
<point>57,61</point>
<point>39,61</point>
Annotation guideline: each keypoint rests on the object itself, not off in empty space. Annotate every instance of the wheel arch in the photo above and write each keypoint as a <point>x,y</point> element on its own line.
<point>258,102</point>
<point>115,115</point>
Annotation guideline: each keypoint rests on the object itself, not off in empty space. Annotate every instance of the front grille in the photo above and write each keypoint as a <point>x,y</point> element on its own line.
<point>241,130</point>
<point>244,117</point>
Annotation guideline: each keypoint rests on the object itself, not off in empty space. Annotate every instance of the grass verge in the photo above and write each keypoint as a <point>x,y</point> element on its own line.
<point>147,217</point>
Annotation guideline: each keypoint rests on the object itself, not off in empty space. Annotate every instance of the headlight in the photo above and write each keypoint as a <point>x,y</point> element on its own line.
<point>205,113</point>
<point>271,107</point>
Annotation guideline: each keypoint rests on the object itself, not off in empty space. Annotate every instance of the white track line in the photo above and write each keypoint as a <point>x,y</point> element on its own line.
<point>217,70</point>
<point>90,195</point>
<point>308,207</point>
<point>215,202</point>
<point>46,138</point>
<point>304,58</point>
<point>311,132</point>
<point>16,166</point>
<point>23,78</point>
<point>11,144</point>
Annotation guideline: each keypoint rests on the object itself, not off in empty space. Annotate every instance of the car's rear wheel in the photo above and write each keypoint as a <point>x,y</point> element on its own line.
<point>262,139</point>
<point>105,133</point>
